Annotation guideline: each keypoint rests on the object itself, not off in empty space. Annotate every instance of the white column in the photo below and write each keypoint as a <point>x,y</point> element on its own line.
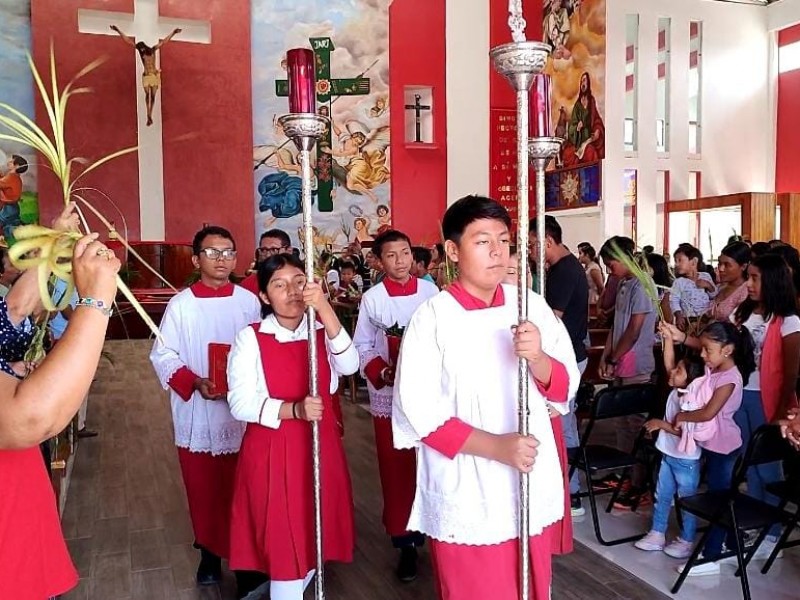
<point>468,65</point>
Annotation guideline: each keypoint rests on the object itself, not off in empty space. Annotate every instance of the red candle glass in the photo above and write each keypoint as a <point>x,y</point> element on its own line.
<point>541,124</point>
<point>302,80</point>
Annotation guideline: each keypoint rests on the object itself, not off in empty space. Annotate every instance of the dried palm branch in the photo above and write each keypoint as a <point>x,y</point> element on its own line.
<point>49,251</point>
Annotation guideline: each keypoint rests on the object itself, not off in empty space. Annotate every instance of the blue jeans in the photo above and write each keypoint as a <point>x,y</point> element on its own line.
<point>750,417</point>
<point>572,438</point>
<point>719,469</point>
<point>681,476</point>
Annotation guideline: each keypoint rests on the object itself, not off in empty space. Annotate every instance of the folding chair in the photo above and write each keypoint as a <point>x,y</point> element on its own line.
<point>736,511</point>
<point>594,459</point>
<point>787,491</point>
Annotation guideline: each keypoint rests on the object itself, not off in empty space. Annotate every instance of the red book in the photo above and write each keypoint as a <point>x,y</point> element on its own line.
<point>218,366</point>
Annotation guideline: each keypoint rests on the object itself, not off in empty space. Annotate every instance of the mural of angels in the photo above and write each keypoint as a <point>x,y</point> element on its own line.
<point>361,162</point>
<point>556,26</point>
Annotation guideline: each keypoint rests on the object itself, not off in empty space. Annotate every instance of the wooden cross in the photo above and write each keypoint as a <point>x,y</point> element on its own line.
<point>418,107</point>
<point>327,88</point>
<point>145,24</point>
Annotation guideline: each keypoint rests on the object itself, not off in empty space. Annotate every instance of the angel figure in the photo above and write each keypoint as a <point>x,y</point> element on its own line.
<point>556,27</point>
<point>362,166</point>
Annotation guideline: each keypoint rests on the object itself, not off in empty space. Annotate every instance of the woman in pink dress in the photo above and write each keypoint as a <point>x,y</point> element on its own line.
<point>732,267</point>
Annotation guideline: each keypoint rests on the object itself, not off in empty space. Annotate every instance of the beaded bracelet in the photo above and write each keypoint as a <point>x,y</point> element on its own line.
<point>97,304</point>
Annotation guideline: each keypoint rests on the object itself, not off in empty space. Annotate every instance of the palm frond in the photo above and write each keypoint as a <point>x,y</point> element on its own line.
<point>641,274</point>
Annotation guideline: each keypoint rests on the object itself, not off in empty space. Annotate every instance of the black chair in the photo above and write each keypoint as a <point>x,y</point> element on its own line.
<point>787,491</point>
<point>735,511</point>
<point>594,459</point>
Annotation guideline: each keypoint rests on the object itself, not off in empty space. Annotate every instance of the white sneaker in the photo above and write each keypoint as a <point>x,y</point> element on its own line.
<point>652,542</point>
<point>679,548</point>
<point>765,549</point>
<point>711,568</point>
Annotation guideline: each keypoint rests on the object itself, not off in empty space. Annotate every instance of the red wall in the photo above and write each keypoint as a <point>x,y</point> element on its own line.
<point>787,173</point>
<point>417,55</point>
<point>206,97</point>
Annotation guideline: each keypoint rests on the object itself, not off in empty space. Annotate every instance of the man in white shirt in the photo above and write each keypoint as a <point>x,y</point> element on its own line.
<point>385,305</point>
<point>212,310</point>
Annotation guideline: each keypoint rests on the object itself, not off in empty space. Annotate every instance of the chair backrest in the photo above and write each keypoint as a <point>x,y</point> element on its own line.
<point>621,401</point>
<point>766,446</point>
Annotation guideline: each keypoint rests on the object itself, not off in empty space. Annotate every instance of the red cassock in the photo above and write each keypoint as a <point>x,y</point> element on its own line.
<point>398,471</point>
<point>34,562</point>
<point>272,523</point>
<point>561,531</point>
<point>209,482</point>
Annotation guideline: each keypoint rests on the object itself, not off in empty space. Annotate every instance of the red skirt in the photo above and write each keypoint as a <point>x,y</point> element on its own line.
<point>479,572</point>
<point>561,531</point>
<point>209,482</point>
<point>398,471</point>
<point>34,561</point>
<point>272,522</point>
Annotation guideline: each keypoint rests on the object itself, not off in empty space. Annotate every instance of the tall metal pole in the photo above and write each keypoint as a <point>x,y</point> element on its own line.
<point>519,62</point>
<point>304,130</point>
<point>541,151</point>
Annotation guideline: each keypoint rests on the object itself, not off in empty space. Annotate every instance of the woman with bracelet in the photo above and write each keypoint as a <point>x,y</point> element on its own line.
<point>272,523</point>
<point>34,558</point>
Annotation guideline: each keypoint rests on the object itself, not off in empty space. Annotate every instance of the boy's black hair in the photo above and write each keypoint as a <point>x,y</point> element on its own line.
<point>277,234</point>
<point>469,209</point>
<point>422,255</point>
<point>200,236</point>
<point>551,228</point>
<point>268,268</point>
<point>20,163</point>
<point>391,235</point>
<point>347,264</point>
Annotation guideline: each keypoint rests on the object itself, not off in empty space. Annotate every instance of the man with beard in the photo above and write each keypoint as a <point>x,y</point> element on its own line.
<point>586,132</point>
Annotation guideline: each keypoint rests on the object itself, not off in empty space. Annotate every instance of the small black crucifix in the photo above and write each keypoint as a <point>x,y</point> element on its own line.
<point>418,107</point>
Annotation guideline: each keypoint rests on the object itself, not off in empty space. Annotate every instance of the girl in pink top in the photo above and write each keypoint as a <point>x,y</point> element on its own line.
<point>728,352</point>
<point>732,265</point>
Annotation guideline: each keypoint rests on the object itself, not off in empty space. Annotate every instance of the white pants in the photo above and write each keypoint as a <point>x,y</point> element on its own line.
<point>290,590</point>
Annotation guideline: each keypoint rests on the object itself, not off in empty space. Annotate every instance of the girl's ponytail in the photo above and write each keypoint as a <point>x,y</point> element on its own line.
<point>726,334</point>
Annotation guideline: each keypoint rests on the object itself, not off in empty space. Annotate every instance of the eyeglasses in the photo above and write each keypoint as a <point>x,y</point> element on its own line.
<point>273,250</point>
<point>216,254</point>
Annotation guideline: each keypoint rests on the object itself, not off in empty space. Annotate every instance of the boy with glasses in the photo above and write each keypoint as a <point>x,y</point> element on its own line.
<point>212,311</point>
<point>272,242</point>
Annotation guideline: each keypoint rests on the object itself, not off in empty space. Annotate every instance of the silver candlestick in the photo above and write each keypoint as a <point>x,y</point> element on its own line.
<point>304,129</point>
<point>519,62</point>
<point>541,151</point>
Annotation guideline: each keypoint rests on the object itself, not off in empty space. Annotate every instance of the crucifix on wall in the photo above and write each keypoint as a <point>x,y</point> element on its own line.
<point>418,107</point>
<point>146,26</point>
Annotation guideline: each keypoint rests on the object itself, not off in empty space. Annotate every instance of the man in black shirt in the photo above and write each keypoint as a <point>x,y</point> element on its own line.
<point>567,293</point>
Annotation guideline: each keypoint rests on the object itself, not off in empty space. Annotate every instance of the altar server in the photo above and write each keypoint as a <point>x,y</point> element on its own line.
<point>386,308</point>
<point>272,523</point>
<point>212,310</point>
<point>456,403</point>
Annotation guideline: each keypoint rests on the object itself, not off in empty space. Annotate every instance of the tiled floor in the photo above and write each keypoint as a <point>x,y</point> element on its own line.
<point>126,518</point>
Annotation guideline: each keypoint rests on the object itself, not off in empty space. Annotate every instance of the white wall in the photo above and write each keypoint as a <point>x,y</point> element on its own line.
<point>783,14</point>
<point>736,119</point>
<point>580,225</point>
<point>468,94</point>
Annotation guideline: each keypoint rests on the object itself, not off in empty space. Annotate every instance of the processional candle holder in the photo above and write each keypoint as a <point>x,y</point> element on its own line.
<point>520,62</point>
<point>304,127</point>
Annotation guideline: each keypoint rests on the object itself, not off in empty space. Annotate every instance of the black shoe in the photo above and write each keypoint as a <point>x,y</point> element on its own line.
<point>209,571</point>
<point>87,433</point>
<point>576,506</point>
<point>407,566</point>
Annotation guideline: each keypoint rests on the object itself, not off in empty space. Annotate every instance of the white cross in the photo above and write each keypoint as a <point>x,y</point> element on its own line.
<point>147,26</point>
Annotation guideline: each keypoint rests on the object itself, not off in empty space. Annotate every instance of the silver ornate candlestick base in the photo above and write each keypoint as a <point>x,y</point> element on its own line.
<point>541,151</point>
<point>304,129</point>
<point>519,62</point>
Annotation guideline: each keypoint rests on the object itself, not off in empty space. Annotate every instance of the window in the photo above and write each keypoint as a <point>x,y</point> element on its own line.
<point>693,190</point>
<point>663,85</point>
<point>631,81</point>
<point>789,57</point>
<point>695,85</point>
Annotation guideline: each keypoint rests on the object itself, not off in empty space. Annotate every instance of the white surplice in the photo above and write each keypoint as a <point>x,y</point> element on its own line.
<point>189,325</point>
<point>461,363</point>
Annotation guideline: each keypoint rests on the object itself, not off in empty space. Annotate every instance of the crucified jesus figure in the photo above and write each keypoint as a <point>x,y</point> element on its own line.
<point>151,78</point>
